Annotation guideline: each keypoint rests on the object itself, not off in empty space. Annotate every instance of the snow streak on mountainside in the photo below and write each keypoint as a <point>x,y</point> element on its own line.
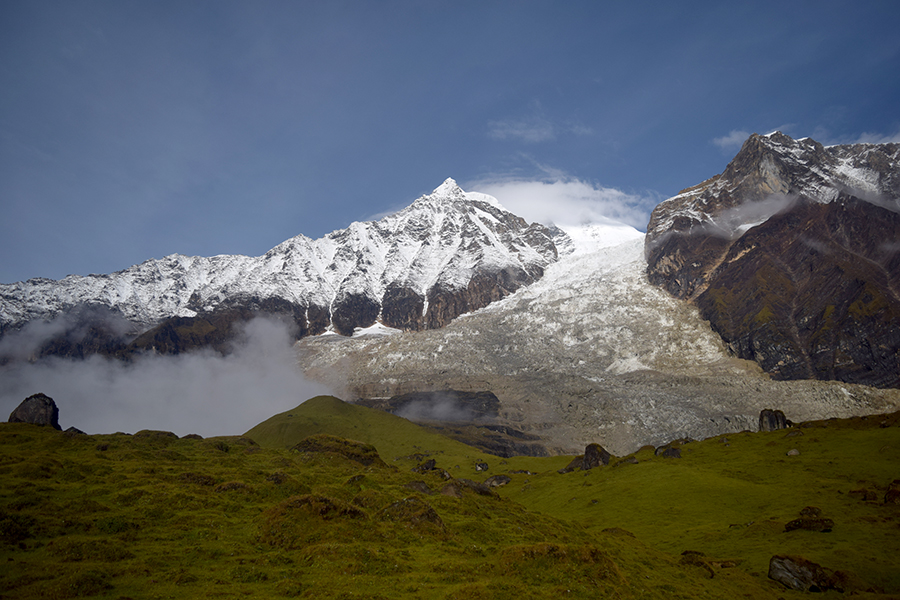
<point>590,353</point>
<point>792,254</point>
<point>446,254</point>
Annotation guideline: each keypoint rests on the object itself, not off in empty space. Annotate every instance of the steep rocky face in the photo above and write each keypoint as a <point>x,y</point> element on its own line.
<point>448,253</point>
<point>793,255</point>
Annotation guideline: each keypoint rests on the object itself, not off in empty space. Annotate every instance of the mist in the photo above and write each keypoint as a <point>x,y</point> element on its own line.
<point>201,392</point>
<point>734,222</point>
<point>441,407</point>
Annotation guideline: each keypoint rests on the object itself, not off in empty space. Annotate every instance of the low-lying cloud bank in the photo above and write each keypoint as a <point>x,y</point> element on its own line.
<point>200,392</point>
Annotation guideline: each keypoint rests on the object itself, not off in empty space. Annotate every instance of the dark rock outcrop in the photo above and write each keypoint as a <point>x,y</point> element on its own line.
<point>798,573</point>
<point>810,520</point>
<point>497,480</point>
<point>38,409</point>
<point>771,420</point>
<point>594,456</point>
<point>810,524</point>
<point>792,257</point>
<point>364,454</point>
<point>892,496</point>
<point>457,487</point>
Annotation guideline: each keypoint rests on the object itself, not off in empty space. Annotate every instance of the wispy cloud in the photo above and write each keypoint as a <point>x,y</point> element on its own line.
<point>564,200</point>
<point>826,137</point>
<point>878,138</point>
<point>531,130</point>
<point>733,141</point>
<point>536,128</point>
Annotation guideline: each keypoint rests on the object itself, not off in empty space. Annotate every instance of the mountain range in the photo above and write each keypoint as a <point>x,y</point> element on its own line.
<point>448,253</point>
<point>745,290</point>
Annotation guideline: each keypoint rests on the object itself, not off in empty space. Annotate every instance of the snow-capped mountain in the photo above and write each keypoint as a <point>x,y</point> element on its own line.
<point>793,254</point>
<point>448,253</point>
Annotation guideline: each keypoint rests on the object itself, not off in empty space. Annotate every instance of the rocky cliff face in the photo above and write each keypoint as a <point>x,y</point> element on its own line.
<point>793,255</point>
<point>448,253</point>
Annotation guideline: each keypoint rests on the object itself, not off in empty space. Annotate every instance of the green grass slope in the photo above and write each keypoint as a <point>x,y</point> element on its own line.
<point>396,439</point>
<point>153,516</point>
<point>731,497</point>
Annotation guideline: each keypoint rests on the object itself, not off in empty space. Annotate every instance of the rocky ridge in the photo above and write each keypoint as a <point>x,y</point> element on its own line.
<point>448,253</point>
<point>792,255</point>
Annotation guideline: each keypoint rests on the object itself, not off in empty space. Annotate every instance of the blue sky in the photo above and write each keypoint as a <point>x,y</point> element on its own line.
<point>133,130</point>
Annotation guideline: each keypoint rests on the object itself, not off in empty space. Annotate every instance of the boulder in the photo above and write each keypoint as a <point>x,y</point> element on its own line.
<point>669,452</point>
<point>798,573</point>
<point>893,494</point>
<point>497,480</point>
<point>595,456</point>
<point>37,410</point>
<point>771,420</point>
<point>810,524</point>
<point>865,495</point>
<point>428,465</point>
<point>457,487</point>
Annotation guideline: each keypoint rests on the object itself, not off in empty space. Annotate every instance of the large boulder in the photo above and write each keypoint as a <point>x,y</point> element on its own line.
<point>771,420</point>
<point>798,573</point>
<point>594,455</point>
<point>38,409</point>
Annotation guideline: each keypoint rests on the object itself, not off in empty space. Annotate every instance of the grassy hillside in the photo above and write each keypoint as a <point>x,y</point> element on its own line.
<point>154,516</point>
<point>395,437</point>
<point>731,497</point>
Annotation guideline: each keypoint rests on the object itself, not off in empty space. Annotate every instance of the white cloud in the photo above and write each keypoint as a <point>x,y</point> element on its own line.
<point>733,141</point>
<point>200,392</point>
<point>565,200</point>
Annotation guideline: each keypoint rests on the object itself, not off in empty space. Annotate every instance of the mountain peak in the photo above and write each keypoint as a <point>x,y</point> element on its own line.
<point>448,187</point>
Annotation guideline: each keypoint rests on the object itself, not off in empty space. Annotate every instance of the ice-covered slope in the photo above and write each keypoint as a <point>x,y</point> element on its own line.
<point>448,253</point>
<point>590,353</point>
